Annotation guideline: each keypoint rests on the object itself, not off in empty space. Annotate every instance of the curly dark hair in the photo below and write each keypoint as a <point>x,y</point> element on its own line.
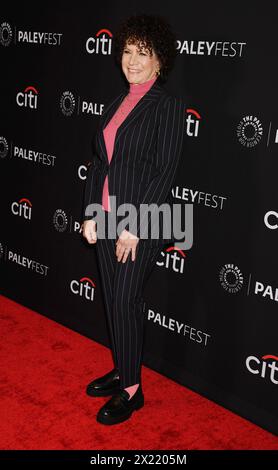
<point>151,32</point>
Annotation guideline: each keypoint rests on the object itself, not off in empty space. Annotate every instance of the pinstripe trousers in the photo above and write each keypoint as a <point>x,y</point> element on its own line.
<point>123,285</point>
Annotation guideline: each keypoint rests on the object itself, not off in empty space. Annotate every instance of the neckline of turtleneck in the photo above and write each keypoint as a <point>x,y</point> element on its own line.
<point>140,88</point>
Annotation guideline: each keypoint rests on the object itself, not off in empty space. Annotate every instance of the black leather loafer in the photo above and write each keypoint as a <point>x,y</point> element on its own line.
<point>109,384</point>
<point>119,408</point>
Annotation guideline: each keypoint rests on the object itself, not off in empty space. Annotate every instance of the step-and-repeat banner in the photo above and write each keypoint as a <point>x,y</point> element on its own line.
<point>211,312</point>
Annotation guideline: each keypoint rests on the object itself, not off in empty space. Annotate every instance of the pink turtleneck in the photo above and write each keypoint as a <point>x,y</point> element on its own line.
<point>136,91</point>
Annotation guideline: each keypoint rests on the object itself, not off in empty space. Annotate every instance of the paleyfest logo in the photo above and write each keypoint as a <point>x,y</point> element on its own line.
<point>30,37</point>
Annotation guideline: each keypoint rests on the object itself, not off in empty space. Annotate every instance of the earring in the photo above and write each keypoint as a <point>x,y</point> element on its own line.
<point>157,72</point>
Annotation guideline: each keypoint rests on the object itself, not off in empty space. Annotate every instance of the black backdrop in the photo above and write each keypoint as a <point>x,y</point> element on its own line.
<point>211,311</point>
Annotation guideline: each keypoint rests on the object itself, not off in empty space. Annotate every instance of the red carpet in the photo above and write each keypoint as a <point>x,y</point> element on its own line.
<point>45,368</point>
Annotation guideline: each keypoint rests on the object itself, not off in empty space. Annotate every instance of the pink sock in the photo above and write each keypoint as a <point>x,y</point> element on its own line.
<point>131,390</point>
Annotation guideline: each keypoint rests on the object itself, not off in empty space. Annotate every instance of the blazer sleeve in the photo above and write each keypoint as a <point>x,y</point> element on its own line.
<point>169,148</point>
<point>93,172</point>
<point>90,189</point>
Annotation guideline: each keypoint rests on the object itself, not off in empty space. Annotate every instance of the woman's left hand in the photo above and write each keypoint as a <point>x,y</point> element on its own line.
<point>126,243</point>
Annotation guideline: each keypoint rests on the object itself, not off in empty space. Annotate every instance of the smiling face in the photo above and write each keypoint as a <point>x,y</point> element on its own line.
<point>138,65</point>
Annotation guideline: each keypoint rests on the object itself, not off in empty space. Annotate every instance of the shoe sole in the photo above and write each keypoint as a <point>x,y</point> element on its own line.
<point>102,393</point>
<point>115,420</point>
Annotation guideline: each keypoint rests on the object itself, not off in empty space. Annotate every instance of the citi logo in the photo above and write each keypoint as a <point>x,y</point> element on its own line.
<point>82,172</point>
<point>173,258</point>
<point>28,98</point>
<point>271,220</point>
<point>192,122</point>
<point>85,288</point>
<point>101,43</point>
<point>266,367</point>
<point>22,208</point>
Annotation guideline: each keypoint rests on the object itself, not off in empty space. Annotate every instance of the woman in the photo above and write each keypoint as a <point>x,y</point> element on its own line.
<point>137,149</point>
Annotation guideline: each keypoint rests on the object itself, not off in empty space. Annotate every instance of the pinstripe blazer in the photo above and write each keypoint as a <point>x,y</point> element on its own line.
<point>147,149</point>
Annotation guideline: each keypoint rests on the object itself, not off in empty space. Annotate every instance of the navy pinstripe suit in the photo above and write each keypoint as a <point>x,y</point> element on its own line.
<point>148,145</point>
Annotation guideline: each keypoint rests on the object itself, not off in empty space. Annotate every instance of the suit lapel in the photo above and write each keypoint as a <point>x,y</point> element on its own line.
<point>150,96</point>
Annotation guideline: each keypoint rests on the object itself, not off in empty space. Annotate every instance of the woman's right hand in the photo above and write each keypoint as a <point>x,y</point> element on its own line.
<point>89,231</point>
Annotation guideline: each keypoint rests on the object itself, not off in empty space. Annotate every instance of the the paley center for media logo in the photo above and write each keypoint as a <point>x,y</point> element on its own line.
<point>249,131</point>
<point>6,34</point>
